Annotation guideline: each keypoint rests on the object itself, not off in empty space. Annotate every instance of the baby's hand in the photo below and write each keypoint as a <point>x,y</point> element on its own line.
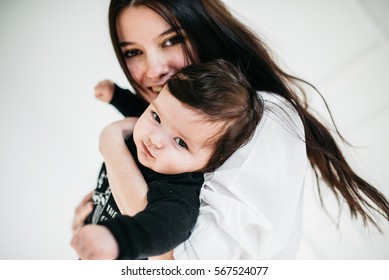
<point>95,242</point>
<point>104,90</point>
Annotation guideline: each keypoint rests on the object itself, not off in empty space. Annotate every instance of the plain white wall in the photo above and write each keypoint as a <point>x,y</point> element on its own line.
<point>52,53</point>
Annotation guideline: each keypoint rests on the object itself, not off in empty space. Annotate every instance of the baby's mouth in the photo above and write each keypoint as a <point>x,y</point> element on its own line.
<point>146,151</point>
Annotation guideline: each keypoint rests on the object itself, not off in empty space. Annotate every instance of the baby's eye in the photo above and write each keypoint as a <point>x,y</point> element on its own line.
<point>131,53</point>
<point>173,41</point>
<point>181,143</point>
<point>156,117</point>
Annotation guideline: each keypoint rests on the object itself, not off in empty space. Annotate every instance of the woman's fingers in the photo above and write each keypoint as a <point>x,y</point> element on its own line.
<point>82,211</point>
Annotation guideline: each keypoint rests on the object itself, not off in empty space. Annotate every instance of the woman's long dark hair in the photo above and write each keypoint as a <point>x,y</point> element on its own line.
<point>214,33</point>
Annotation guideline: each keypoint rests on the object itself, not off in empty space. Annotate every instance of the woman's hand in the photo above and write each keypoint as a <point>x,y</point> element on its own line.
<point>95,242</point>
<point>104,90</point>
<point>166,256</point>
<point>82,211</point>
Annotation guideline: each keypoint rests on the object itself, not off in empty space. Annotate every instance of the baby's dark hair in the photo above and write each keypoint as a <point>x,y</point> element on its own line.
<point>221,92</point>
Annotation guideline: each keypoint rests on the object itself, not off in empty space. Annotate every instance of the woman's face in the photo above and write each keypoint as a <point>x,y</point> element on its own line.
<point>152,50</point>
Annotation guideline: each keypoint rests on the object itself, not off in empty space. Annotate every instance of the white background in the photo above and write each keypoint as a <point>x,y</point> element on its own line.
<point>52,53</point>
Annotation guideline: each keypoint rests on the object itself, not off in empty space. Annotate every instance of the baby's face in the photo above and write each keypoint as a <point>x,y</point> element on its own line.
<point>172,138</point>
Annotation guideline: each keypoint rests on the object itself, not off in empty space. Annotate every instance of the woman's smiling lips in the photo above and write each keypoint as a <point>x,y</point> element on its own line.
<point>156,89</point>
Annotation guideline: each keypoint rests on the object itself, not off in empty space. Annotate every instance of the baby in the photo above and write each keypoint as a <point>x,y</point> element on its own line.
<point>203,114</point>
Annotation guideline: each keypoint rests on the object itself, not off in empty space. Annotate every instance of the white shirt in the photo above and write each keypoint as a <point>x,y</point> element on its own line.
<point>251,207</point>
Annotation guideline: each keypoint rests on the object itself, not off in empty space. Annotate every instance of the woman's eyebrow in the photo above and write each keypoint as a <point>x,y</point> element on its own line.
<point>168,31</point>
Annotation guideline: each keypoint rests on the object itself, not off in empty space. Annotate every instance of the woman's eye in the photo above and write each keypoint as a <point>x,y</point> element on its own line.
<point>181,143</point>
<point>156,117</point>
<point>173,41</point>
<point>131,53</point>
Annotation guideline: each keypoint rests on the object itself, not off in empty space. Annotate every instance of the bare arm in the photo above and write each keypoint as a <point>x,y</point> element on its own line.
<point>125,179</point>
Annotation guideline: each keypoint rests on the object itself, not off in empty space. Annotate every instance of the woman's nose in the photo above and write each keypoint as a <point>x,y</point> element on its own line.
<point>157,66</point>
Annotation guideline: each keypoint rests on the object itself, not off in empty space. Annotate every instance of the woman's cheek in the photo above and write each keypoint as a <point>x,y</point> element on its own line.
<point>135,70</point>
<point>181,62</point>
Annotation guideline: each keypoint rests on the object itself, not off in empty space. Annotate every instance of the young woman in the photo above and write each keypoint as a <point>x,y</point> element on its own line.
<point>252,206</point>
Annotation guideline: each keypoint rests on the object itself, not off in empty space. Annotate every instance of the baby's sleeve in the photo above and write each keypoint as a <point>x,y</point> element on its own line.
<point>167,220</point>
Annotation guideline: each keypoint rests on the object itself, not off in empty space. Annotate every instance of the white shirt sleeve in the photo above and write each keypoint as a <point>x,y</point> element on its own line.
<point>251,207</point>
